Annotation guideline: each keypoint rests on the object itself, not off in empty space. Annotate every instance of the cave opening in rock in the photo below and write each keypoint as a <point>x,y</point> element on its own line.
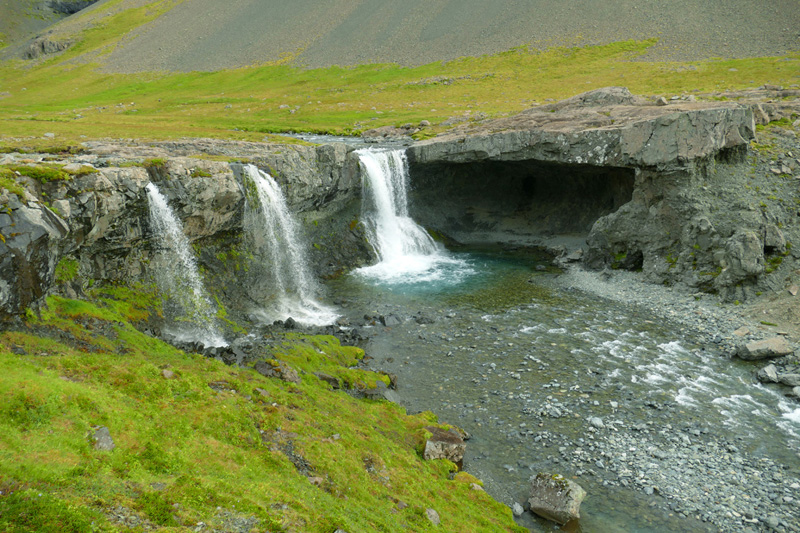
<point>524,202</point>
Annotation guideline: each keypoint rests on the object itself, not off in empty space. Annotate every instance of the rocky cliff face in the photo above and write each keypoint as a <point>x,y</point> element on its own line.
<point>91,222</point>
<point>670,189</point>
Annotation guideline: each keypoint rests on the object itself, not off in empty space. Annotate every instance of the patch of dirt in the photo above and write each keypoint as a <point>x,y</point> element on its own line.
<point>781,309</point>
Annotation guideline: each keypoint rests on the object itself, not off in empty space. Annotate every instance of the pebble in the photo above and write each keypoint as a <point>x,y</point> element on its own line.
<point>597,422</point>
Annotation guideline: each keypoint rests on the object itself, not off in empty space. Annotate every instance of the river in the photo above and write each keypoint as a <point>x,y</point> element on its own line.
<point>664,434</point>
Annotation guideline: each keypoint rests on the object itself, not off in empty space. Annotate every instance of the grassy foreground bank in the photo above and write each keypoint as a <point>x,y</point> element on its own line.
<point>199,443</point>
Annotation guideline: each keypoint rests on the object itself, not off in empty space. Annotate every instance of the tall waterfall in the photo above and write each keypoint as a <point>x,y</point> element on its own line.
<point>177,276</point>
<point>406,253</point>
<point>274,239</point>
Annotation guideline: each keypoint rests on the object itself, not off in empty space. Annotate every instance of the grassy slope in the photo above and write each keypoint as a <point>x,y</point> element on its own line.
<point>184,450</point>
<point>70,97</point>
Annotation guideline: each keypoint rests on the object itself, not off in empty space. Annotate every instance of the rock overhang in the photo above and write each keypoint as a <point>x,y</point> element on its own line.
<point>606,127</point>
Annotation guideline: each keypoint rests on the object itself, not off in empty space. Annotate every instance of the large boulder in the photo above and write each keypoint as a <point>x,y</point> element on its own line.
<point>43,46</point>
<point>556,498</point>
<point>764,349</point>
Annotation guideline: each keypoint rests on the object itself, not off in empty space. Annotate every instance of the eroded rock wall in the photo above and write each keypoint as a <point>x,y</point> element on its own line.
<point>98,218</point>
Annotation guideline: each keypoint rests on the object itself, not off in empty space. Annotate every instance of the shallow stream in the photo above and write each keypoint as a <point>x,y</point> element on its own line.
<point>663,432</point>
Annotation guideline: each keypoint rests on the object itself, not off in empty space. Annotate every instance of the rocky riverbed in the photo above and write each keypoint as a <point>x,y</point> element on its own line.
<point>696,470</point>
<point>626,387</point>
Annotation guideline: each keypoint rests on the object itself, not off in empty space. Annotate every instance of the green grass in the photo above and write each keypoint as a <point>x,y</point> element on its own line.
<point>210,437</point>
<point>71,98</point>
<point>8,181</point>
<point>66,270</point>
<point>41,173</point>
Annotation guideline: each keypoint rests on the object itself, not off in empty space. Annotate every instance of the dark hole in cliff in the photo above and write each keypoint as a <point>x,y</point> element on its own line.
<point>519,201</point>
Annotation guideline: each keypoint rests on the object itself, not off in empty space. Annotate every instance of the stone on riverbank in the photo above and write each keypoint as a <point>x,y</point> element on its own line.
<point>792,380</point>
<point>102,439</point>
<point>764,349</point>
<point>768,374</point>
<point>444,445</point>
<point>556,498</point>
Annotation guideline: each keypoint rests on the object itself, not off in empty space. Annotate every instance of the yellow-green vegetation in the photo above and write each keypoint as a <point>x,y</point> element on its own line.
<point>156,162</point>
<point>41,173</point>
<point>198,441</point>
<point>70,95</point>
<point>8,181</point>
<point>200,173</point>
<point>66,270</point>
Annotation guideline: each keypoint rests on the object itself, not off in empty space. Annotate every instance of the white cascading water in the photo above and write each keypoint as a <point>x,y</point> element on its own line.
<point>274,238</point>
<point>177,276</point>
<point>406,253</point>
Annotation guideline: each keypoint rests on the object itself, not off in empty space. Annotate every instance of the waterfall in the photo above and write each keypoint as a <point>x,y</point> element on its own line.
<point>406,253</point>
<point>282,275</point>
<point>177,276</point>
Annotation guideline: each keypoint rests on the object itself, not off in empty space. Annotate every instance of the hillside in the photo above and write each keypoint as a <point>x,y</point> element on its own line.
<point>209,35</point>
<point>21,18</point>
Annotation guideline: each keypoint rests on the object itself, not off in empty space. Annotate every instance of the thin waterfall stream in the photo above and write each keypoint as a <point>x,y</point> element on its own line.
<point>175,268</point>
<point>406,252</point>
<point>280,273</point>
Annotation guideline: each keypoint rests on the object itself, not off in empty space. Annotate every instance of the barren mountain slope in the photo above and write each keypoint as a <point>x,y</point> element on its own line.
<point>18,18</point>
<point>212,35</point>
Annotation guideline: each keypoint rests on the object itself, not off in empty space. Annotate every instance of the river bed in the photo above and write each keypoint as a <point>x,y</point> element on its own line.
<point>664,431</point>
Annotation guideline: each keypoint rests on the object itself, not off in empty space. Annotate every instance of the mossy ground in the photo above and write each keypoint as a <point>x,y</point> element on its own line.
<point>213,443</point>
